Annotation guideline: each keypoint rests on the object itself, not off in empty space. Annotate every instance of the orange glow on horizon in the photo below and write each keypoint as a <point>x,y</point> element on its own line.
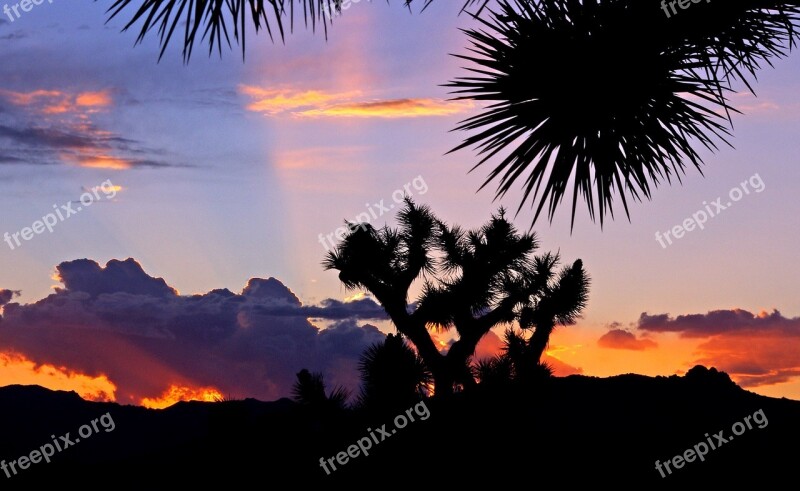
<point>178,393</point>
<point>16,369</point>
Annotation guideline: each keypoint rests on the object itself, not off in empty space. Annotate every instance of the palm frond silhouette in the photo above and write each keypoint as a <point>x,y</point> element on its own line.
<point>611,96</point>
<point>392,375</point>
<point>309,392</point>
<point>224,22</point>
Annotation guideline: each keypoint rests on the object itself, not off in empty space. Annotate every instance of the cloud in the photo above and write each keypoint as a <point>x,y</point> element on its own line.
<point>7,295</point>
<point>13,36</point>
<point>57,102</point>
<point>748,103</point>
<point>127,276</point>
<point>621,339</point>
<point>315,104</point>
<point>343,344</point>
<point>764,358</point>
<point>755,349</point>
<point>150,342</point>
<point>47,127</point>
<point>329,309</point>
<point>276,101</point>
<point>761,107</point>
<point>715,322</point>
<point>395,108</point>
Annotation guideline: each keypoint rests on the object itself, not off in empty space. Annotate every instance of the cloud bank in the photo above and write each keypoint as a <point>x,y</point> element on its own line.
<point>119,322</point>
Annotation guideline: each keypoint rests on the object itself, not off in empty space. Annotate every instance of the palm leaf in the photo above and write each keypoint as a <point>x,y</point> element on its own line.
<point>216,21</point>
<point>608,95</point>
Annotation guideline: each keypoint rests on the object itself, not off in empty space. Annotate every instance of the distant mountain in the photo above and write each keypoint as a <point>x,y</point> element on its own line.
<point>571,431</point>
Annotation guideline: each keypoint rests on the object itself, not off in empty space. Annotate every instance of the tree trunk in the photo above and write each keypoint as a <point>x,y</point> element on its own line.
<point>539,340</point>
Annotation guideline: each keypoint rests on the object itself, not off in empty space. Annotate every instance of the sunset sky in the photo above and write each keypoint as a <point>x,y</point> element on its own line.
<point>213,185</point>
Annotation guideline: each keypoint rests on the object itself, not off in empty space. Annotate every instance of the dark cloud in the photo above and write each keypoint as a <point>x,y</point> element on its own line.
<point>84,275</point>
<point>47,137</point>
<point>755,349</point>
<point>330,309</point>
<point>13,36</point>
<point>119,321</point>
<point>769,378</point>
<point>10,159</point>
<point>716,322</point>
<point>621,339</point>
<point>7,295</point>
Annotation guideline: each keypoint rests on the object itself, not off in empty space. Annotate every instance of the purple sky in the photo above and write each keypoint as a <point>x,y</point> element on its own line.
<point>229,171</point>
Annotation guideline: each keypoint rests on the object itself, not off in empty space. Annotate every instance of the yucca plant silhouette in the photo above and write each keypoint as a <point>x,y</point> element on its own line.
<point>518,363</point>
<point>612,96</point>
<point>309,392</point>
<point>494,372</point>
<point>393,376</point>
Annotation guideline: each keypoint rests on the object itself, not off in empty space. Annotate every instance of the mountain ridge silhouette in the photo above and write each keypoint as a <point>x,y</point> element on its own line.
<point>610,429</point>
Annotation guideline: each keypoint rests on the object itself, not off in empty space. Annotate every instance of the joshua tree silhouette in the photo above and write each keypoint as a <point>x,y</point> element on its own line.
<point>472,281</point>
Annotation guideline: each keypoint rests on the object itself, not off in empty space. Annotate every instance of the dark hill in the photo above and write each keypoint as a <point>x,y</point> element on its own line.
<point>572,431</point>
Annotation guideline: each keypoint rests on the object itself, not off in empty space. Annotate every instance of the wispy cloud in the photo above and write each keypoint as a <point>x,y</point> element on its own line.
<point>57,102</point>
<point>761,107</point>
<point>344,158</point>
<point>46,126</point>
<point>276,101</point>
<point>319,104</point>
<point>396,108</point>
<point>748,103</point>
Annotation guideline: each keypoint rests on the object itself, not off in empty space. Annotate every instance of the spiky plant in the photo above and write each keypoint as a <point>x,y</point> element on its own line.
<point>216,21</point>
<point>309,391</point>
<point>497,371</point>
<point>224,22</point>
<point>517,364</point>
<point>392,375</point>
<point>612,96</point>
